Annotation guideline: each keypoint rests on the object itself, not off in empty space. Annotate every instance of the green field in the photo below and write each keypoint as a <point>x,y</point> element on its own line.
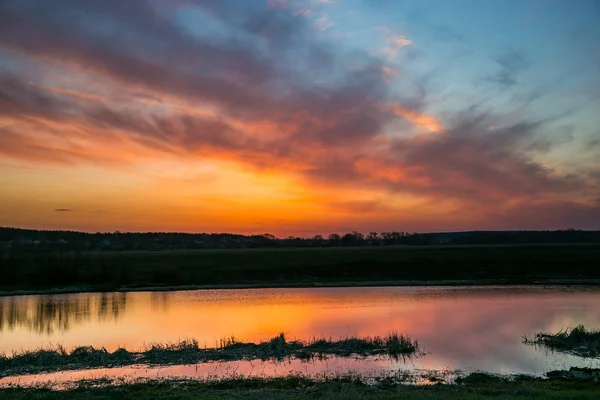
<point>299,267</point>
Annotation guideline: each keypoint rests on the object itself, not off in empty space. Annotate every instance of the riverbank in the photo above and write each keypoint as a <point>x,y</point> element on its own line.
<point>390,283</point>
<point>259,268</point>
<point>474,386</point>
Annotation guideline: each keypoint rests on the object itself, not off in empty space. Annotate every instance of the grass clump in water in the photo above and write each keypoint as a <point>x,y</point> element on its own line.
<point>578,341</point>
<point>400,344</point>
<point>188,352</point>
<point>59,358</point>
<point>392,344</point>
<point>170,353</point>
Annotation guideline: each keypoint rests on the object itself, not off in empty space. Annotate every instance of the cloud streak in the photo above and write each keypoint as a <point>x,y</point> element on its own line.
<point>261,93</point>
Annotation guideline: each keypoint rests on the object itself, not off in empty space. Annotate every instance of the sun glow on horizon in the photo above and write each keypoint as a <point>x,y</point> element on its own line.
<point>296,118</point>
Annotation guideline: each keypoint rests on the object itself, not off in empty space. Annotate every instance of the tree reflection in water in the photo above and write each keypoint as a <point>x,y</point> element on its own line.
<point>159,301</point>
<point>49,314</point>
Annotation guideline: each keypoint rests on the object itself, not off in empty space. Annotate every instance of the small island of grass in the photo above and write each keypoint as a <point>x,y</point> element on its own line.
<point>189,352</point>
<point>577,341</point>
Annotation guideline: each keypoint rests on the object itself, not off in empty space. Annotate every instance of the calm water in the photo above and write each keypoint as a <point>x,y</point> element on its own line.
<point>466,328</point>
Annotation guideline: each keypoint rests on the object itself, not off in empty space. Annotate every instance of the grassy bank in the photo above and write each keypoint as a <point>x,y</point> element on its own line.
<point>298,267</point>
<point>578,341</point>
<point>475,386</point>
<point>188,352</point>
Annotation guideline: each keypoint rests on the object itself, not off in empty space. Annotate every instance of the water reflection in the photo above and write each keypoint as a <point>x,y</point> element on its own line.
<point>366,368</point>
<point>159,301</point>
<point>111,305</point>
<point>460,327</point>
<point>46,315</point>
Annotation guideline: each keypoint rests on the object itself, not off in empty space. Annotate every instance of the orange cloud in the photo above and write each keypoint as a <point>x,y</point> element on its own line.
<point>394,42</point>
<point>379,169</point>
<point>255,111</point>
<point>75,93</point>
<point>419,120</point>
<point>389,73</point>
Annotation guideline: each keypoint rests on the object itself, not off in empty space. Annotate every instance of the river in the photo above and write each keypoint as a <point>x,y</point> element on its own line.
<point>459,328</point>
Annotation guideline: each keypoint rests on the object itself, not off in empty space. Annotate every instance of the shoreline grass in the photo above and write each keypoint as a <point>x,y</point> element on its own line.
<point>577,341</point>
<point>189,352</point>
<point>473,386</point>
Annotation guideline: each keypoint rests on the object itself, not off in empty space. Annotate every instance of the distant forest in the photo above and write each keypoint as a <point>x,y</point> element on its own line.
<point>11,238</point>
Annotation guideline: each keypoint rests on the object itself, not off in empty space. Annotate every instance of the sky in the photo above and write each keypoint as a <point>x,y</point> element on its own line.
<point>299,117</point>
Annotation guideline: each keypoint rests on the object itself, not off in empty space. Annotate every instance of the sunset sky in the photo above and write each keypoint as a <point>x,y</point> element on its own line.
<point>299,117</point>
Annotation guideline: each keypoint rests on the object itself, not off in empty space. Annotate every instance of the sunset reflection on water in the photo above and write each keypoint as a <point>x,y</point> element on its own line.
<point>458,327</point>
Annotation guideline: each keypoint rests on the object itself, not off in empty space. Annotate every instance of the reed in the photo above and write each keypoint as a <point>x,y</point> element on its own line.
<point>577,341</point>
<point>187,351</point>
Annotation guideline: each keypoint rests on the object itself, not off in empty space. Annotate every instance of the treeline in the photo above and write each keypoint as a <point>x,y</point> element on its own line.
<point>123,241</point>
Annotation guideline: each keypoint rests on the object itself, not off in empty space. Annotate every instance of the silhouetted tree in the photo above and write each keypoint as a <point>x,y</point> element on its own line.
<point>349,239</point>
<point>334,239</point>
<point>318,240</point>
<point>373,238</point>
<point>358,236</point>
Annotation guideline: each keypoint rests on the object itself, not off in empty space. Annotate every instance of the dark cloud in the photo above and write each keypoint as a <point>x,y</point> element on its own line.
<point>593,142</point>
<point>19,98</point>
<point>267,68</point>
<point>235,75</point>
<point>549,215</point>
<point>63,210</point>
<point>131,49</point>
<point>470,160</point>
<point>511,64</point>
